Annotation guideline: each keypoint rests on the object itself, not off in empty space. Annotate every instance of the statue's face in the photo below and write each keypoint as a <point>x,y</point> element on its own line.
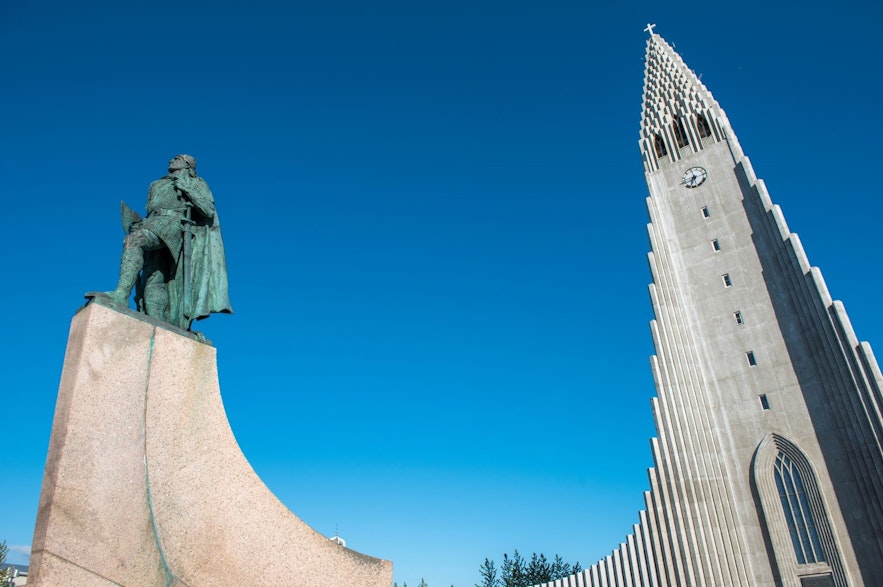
<point>176,164</point>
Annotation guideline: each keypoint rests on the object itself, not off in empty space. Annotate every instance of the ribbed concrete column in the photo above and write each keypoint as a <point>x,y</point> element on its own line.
<point>146,485</point>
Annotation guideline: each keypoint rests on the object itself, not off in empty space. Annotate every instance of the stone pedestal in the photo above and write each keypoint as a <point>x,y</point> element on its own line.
<point>146,485</point>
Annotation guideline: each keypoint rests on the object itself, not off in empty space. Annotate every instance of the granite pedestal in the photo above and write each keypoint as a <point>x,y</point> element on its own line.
<point>146,485</point>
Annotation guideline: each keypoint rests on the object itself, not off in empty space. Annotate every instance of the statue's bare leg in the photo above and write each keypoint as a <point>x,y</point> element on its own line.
<point>156,291</point>
<point>131,263</point>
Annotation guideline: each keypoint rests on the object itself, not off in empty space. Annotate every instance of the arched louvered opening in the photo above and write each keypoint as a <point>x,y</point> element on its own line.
<point>659,145</point>
<point>702,125</point>
<point>680,133</point>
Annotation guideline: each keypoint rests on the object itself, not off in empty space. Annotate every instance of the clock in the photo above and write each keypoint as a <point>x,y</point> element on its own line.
<point>694,177</point>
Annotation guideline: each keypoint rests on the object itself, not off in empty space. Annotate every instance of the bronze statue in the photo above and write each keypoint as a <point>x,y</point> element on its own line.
<point>174,258</point>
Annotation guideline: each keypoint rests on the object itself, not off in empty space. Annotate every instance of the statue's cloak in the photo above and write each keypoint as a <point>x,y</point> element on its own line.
<point>208,277</point>
<point>208,286</point>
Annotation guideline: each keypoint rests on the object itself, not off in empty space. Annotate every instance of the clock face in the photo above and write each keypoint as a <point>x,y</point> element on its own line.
<point>694,177</point>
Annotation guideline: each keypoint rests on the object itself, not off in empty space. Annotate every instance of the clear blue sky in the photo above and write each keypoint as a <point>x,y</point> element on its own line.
<point>435,225</point>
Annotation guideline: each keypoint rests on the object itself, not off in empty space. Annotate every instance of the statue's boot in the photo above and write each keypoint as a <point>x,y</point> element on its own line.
<point>130,266</point>
<point>156,298</point>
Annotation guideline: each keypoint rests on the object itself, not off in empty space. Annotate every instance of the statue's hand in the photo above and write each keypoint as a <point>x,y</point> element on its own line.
<point>183,184</point>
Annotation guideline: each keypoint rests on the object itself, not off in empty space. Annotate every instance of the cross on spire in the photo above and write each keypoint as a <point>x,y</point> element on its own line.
<point>649,28</point>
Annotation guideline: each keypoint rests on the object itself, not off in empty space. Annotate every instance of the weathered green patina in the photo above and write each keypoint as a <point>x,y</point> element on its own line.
<point>174,258</point>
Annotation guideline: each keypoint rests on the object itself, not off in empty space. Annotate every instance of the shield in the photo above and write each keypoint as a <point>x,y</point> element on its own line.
<point>129,217</point>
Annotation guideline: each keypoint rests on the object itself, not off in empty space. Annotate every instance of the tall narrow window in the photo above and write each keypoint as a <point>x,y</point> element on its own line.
<point>705,212</point>
<point>716,245</point>
<point>702,125</point>
<point>659,144</point>
<point>752,360</point>
<point>680,133</point>
<point>801,525</point>
<point>738,316</point>
<point>764,402</point>
<point>727,281</point>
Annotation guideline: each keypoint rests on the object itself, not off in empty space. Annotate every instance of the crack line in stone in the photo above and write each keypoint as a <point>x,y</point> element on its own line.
<point>170,577</point>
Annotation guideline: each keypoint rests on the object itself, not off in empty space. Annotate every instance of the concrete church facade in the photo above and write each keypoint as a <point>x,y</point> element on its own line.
<point>768,466</point>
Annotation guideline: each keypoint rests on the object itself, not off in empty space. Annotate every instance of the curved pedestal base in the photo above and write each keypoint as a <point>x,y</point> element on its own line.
<point>146,485</point>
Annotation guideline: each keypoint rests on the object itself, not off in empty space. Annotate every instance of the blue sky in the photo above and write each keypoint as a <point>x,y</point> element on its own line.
<point>435,226</point>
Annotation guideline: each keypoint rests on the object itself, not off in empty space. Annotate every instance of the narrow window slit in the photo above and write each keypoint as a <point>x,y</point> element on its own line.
<point>727,281</point>
<point>752,360</point>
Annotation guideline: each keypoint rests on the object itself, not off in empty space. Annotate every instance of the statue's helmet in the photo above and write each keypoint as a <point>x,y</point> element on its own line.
<point>185,161</point>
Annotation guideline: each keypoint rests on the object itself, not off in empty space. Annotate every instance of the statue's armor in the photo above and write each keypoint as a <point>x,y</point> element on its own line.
<point>165,208</point>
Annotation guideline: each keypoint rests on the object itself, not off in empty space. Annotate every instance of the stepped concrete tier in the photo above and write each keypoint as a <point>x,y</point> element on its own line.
<point>146,485</point>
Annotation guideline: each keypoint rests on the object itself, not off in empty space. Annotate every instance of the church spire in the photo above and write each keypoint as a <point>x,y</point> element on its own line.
<point>679,116</point>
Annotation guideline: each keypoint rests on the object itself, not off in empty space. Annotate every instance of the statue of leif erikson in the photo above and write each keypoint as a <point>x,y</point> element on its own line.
<point>174,258</point>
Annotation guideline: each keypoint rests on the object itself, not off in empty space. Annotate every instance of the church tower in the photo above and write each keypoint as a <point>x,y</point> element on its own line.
<point>768,466</point>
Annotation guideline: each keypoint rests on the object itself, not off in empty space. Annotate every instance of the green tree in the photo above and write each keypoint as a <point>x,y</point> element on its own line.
<point>519,572</point>
<point>538,570</point>
<point>561,569</point>
<point>512,570</point>
<point>422,583</point>
<point>488,573</point>
<point>5,574</point>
